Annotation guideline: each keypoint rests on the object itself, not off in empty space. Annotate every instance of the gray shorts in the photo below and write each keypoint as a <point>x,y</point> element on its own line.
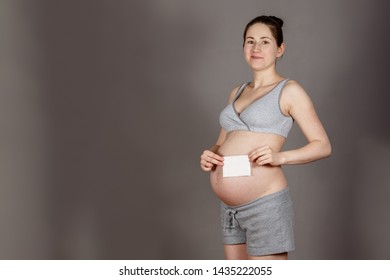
<point>265,225</point>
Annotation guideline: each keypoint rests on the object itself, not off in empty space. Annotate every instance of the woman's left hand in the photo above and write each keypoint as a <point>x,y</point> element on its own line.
<point>266,155</point>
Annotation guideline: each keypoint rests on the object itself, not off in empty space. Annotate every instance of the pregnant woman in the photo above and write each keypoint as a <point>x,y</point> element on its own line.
<point>245,163</point>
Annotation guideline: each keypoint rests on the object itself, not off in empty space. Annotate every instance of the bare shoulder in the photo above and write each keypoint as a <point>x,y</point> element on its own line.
<point>234,92</point>
<point>293,92</point>
<point>293,89</point>
<point>294,98</point>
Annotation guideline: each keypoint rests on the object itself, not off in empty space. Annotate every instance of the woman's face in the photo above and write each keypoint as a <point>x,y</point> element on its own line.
<point>260,47</point>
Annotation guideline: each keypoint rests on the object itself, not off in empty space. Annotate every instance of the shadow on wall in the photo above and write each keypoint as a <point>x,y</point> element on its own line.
<point>121,124</point>
<point>361,143</point>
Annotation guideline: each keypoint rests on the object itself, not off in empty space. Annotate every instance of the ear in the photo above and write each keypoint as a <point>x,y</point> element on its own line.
<point>280,50</point>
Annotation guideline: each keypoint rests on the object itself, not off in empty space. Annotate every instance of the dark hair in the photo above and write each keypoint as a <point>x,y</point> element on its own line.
<point>274,23</point>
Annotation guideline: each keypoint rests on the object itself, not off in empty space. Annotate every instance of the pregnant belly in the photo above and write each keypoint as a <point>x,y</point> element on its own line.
<point>264,180</point>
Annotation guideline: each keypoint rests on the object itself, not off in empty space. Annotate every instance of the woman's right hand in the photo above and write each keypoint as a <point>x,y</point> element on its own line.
<point>209,159</point>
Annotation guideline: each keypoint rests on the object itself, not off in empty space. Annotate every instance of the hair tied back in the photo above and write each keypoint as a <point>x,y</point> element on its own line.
<point>277,20</point>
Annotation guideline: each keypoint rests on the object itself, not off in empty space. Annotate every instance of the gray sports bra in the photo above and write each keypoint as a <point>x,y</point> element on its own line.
<point>262,115</point>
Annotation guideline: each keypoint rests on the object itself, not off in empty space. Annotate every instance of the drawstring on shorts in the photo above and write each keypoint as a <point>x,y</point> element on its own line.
<point>229,220</point>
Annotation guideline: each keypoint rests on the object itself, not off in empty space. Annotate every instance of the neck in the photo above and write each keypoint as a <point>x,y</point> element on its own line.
<point>265,78</point>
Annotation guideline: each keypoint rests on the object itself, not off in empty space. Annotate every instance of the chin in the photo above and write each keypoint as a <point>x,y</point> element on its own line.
<point>260,67</point>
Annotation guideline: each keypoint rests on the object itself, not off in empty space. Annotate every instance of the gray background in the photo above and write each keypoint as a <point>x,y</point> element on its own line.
<point>106,106</point>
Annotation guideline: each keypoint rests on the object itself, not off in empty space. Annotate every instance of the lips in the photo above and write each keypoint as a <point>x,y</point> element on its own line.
<point>256,57</point>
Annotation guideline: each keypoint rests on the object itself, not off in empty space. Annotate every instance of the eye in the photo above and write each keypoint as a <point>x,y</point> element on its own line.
<point>264,42</point>
<point>250,42</point>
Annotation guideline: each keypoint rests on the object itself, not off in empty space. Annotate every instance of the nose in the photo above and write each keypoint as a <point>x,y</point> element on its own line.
<point>256,47</point>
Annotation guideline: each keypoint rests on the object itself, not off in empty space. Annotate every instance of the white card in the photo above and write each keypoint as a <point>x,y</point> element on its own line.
<point>234,166</point>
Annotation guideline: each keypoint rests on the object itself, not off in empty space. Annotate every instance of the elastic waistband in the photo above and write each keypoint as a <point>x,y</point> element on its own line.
<point>283,195</point>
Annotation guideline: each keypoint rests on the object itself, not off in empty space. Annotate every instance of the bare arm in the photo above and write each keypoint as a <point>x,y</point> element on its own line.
<point>297,103</point>
<point>209,158</point>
